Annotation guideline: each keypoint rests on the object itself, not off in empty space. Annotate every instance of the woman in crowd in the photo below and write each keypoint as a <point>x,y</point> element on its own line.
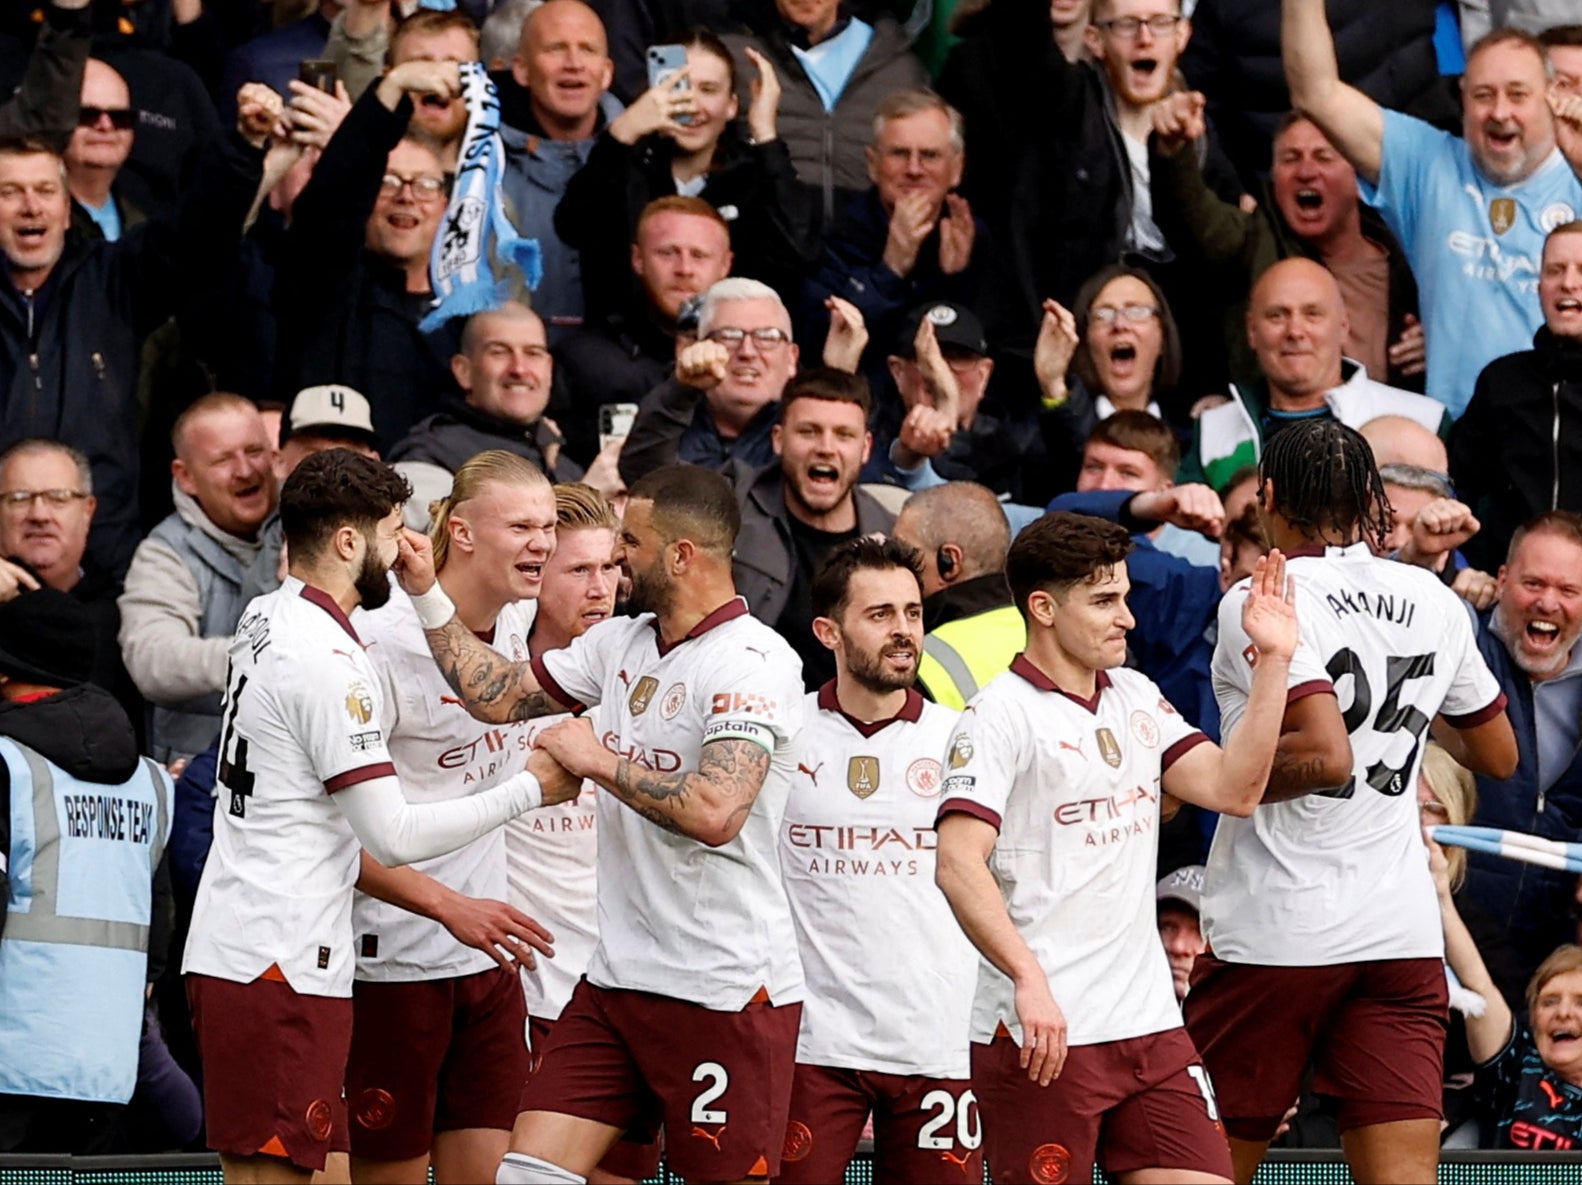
<point>682,136</point>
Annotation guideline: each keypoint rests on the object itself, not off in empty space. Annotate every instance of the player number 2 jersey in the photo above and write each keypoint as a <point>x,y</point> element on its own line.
<point>1342,876</point>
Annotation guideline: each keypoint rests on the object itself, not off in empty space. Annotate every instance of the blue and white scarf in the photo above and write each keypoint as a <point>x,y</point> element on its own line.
<point>476,244</point>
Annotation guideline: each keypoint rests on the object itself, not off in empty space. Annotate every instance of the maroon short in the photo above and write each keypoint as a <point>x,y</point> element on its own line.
<point>1141,1103</point>
<point>273,1066</point>
<point>1374,1032</point>
<point>719,1083</point>
<point>925,1130</point>
<point>434,1055</point>
<point>634,1158</point>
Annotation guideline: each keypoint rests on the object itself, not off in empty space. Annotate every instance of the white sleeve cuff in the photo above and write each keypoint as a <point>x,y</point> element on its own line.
<point>526,793</point>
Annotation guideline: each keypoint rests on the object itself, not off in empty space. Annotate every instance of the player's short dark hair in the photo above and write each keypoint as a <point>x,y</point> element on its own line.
<point>334,489</point>
<point>692,503</point>
<point>1565,523</point>
<point>1060,550</point>
<point>1139,432</point>
<point>832,583</point>
<point>827,383</point>
<point>1325,481</point>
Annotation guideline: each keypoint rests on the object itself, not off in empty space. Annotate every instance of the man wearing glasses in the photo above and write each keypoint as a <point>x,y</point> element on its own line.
<point>353,283</point>
<point>725,399</point>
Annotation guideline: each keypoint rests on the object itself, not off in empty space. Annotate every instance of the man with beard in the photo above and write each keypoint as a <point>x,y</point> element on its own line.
<point>688,1014</point>
<point>796,511</point>
<point>434,957</point>
<point>304,779</point>
<point>889,973</point>
<point>1471,211</point>
<point>1529,640</point>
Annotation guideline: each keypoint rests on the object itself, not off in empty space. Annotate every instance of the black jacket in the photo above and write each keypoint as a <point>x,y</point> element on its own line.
<point>773,217</point>
<point>87,734</point>
<point>618,360</point>
<point>1517,449</point>
<point>450,437</point>
<point>1386,50</point>
<point>69,356</point>
<point>344,314</point>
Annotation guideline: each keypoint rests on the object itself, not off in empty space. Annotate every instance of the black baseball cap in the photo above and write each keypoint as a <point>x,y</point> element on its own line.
<point>955,327</point>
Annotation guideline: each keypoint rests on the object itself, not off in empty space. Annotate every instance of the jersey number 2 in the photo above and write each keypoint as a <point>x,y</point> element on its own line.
<point>718,1081</point>
<point>233,773</point>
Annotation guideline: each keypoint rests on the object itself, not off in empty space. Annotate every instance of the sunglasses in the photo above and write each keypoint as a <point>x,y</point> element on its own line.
<point>120,117</point>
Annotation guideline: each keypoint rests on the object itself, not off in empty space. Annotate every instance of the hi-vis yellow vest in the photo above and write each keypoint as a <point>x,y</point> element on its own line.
<point>962,656</point>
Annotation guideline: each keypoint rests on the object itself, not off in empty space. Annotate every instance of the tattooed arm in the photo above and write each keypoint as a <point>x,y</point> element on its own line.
<point>492,687</point>
<point>1314,753</point>
<point>709,805</point>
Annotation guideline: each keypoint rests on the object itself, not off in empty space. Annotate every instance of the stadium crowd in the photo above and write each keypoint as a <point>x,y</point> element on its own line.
<point>588,581</point>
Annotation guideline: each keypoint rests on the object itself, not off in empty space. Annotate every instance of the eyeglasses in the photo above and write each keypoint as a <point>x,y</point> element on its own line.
<point>425,186</point>
<point>15,500</point>
<point>120,117</point>
<point>767,338</point>
<point>1127,27</point>
<point>927,157</point>
<point>1105,314</point>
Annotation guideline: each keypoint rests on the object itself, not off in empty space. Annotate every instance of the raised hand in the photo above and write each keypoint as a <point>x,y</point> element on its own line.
<point>765,106</point>
<point>1269,614</point>
<point>847,337</point>
<point>702,365</point>
<point>258,110</point>
<point>1057,343</point>
<point>957,232</point>
<point>660,109</point>
<point>911,222</point>
<point>414,566</point>
<point>1410,351</point>
<point>1191,507</point>
<point>1443,525</point>
<point>1178,121</point>
<point>314,115</point>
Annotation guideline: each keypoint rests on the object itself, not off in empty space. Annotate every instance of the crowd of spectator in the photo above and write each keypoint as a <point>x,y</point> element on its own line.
<point>920,272</point>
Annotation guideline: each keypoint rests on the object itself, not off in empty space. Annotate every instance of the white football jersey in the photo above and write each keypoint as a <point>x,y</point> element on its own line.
<point>551,866</point>
<point>677,917</point>
<point>301,720</point>
<point>1073,787</point>
<point>1343,877</point>
<point>889,973</point>
<point>440,752</point>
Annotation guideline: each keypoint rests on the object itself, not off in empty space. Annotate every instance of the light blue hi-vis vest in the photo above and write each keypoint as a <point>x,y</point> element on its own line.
<point>74,951</point>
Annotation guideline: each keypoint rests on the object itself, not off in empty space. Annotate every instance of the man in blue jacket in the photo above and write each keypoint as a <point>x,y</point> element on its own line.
<point>1529,640</point>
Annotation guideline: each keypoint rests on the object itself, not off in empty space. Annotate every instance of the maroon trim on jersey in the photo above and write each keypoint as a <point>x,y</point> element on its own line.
<point>1309,550</point>
<point>486,636</point>
<point>965,806</point>
<point>1311,687</point>
<point>1180,749</point>
<point>1481,716</point>
<point>1023,666</point>
<point>732,609</point>
<point>553,689</point>
<point>354,777</point>
<point>327,603</point>
<point>911,711</point>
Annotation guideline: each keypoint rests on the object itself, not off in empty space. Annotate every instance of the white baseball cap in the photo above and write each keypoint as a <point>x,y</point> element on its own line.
<point>332,409</point>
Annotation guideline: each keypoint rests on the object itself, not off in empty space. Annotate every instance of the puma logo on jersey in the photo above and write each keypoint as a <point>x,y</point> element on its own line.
<point>342,653</point>
<point>1076,748</point>
<point>714,1139</point>
<point>453,699</point>
<point>812,773</point>
<point>763,654</point>
<point>1554,1096</point>
<point>961,1162</point>
<point>626,680</point>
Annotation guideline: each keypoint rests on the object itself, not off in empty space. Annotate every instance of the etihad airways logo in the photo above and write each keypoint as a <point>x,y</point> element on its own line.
<point>663,761</point>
